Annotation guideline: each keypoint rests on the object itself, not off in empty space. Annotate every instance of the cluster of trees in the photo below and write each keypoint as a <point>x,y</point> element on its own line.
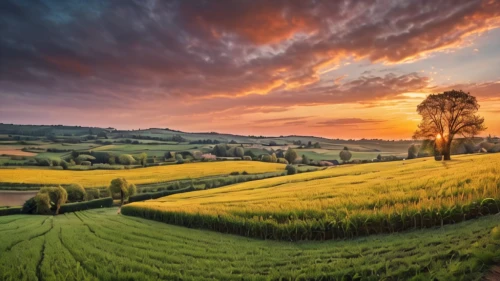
<point>207,141</point>
<point>224,150</point>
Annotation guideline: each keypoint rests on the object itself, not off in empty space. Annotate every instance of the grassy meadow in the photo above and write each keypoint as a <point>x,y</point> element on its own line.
<point>102,178</point>
<point>101,245</point>
<point>340,202</point>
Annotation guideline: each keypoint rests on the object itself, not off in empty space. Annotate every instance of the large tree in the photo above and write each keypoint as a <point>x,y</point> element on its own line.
<point>446,115</point>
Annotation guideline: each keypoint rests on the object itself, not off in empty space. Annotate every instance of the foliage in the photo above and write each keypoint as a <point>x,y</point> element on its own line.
<point>142,159</point>
<point>91,204</point>
<point>91,194</point>
<point>239,152</point>
<point>282,161</point>
<point>10,211</point>
<point>76,192</point>
<point>343,202</point>
<point>64,165</point>
<point>123,187</point>
<point>305,159</point>
<point>345,155</point>
<point>43,204</point>
<point>290,155</point>
<point>57,195</point>
<point>83,158</point>
<point>126,159</point>
<point>413,151</point>
<point>267,158</point>
<point>291,169</point>
<point>446,115</point>
<point>85,163</point>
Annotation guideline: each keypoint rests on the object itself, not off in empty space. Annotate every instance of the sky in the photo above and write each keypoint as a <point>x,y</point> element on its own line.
<point>336,69</point>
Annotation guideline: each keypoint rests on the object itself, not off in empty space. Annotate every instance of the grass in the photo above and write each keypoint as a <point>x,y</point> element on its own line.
<point>101,245</point>
<point>100,178</point>
<point>340,202</point>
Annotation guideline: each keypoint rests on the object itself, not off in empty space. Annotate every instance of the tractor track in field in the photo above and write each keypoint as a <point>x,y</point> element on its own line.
<point>9,248</point>
<point>39,265</point>
<point>84,265</point>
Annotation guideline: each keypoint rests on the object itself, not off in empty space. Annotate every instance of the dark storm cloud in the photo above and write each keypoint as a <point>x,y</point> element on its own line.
<point>267,53</point>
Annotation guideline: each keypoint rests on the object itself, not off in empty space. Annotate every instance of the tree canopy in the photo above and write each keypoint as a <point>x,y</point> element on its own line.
<point>446,115</point>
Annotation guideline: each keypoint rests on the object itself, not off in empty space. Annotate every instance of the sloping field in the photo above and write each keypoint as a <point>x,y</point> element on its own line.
<point>340,202</point>
<point>101,245</point>
<point>99,178</point>
<point>14,150</point>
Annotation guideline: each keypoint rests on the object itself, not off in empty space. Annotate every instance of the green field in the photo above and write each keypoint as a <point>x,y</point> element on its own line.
<point>101,245</point>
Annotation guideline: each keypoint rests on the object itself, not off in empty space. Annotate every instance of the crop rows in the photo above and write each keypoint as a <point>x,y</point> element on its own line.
<point>101,245</point>
<point>340,202</point>
<point>101,178</point>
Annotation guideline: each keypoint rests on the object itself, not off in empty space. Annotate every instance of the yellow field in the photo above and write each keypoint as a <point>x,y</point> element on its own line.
<point>99,178</point>
<point>437,191</point>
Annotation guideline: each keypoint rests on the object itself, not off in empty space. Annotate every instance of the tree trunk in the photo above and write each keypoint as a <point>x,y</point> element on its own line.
<point>57,209</point>
<point>121,195</point>
<point>447,151</point>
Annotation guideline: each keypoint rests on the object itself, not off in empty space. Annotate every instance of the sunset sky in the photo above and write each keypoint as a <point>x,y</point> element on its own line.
<point>338,69</point>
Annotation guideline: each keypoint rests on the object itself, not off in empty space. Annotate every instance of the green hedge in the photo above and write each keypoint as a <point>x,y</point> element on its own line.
<point>10,211</point>
<point>147,196</point>
<point>92,204</point>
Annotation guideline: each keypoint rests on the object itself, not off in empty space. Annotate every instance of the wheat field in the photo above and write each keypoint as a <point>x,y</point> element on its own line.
<point>341,202</point>
<point>101,178</point>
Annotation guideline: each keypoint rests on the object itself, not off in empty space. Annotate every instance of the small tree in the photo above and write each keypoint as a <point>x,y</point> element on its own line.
<point>179,158</point>
<point>57,195</point>
<point>379,157</point>
<point>126,159</point>
<point>413,151</point>
<point>345,154</point>
<point>239,152</point>
<point>120,185</point>
<point>447,114</point>
<point>305,160</point>
<point>76,193</point>
<point>291,169</point>
<point>142,158</point>
<point>273,158</point>
<point>290,155</point>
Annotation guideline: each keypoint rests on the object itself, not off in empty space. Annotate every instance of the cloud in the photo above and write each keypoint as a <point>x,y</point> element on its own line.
<point>181,58</point>
<point>348,122</point>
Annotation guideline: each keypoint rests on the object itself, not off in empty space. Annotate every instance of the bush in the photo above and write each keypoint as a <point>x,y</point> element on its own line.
<point>266,158</point>
<point>10,211</point>
<point>91,194</point>
<point>29,207</point>
<point>290,155</point>
<point>84,157</point>
<point>85,163</point>
<point>126,159</point>
<point>76,193</point>
<point>155,195</point>
<point>42,162</point>
<point>282,161</point>
<point>247,158</point>
<point>345,155</point>
<point>291,170</point>
<point>43,204</point>
<point>64,165</point>
<point>234,173</point>
<point>55,162</point>
<point>93,204</point>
